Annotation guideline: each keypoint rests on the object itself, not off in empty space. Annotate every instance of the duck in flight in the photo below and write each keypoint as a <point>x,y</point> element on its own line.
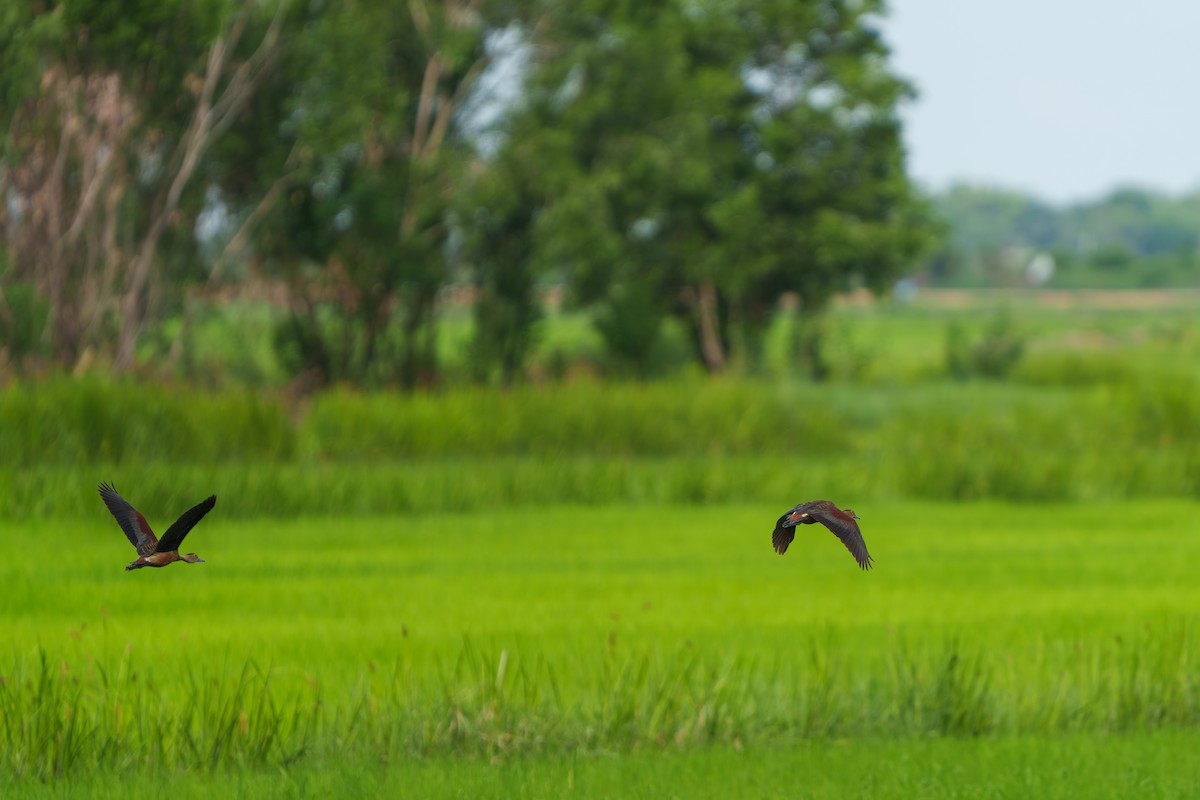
<point>153,552</point>
<point>841,522</point>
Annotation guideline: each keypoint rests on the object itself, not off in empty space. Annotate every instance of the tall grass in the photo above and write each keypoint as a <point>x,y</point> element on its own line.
<point>686,418</point>
<point>59,718</point>
<point>92,420</point>
<point>546,632</point>
<point>425,487</point>
<point>995,768</point>
<point>712,441</point>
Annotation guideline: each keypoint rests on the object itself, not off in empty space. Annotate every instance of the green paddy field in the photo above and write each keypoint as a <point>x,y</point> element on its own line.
<point>612,651</point>
<point>568,590</point>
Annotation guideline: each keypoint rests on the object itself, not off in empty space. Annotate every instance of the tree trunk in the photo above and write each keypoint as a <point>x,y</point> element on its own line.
<point>709,328</point>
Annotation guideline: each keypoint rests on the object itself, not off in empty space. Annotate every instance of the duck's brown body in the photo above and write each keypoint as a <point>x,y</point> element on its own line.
<point>161,559</point>
<point>154,552</point>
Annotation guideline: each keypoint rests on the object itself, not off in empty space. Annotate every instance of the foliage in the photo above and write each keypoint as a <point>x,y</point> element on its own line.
<point>764,157</point>
<point>23,315</point>
<point>370,160</point>
<point>631,323</point>
<point>165,158</point>
<point>498,211</point>
<point>993,355</point>
<point>175,152</point>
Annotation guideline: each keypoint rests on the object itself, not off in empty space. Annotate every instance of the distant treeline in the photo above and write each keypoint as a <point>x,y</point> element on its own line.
<point>1131,238</point>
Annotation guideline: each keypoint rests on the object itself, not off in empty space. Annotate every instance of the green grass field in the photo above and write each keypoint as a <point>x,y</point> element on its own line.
<point>609,651</point>
<point>1126,767</point>
<point>568,590</point>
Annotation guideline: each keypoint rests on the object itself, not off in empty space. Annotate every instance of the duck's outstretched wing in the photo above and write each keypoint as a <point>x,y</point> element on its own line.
<point>846,529</point>
<point>782,537</point>
<point>137,530</point>
<point>179,529</point>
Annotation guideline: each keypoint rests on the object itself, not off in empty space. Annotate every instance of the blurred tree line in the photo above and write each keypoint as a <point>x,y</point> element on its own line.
<point>1131,238</point>
<point>354,162</point>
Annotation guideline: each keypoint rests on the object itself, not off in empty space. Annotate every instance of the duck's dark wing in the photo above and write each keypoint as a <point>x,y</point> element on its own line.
<point>782,536</point>
<point>809,511</point>
<point>846,529</point>
<point>179,529</point>
<point>130,519</point>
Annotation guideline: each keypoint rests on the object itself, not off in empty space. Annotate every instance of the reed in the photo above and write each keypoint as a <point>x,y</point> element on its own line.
<point>703,442</point>
<point>64,719</point>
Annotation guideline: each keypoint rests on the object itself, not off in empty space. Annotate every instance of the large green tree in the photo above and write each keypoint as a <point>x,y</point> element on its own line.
<point>700,159</point>
<point>361,143</point>
<point>496,215</point>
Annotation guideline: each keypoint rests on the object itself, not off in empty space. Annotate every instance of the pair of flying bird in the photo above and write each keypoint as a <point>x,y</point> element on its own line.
<point>153,552</point>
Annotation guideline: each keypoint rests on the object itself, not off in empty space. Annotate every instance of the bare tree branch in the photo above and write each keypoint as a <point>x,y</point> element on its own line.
<point>204,129</point>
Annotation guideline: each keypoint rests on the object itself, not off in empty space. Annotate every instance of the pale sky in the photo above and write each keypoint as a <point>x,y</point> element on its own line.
<point>1066,99</point>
